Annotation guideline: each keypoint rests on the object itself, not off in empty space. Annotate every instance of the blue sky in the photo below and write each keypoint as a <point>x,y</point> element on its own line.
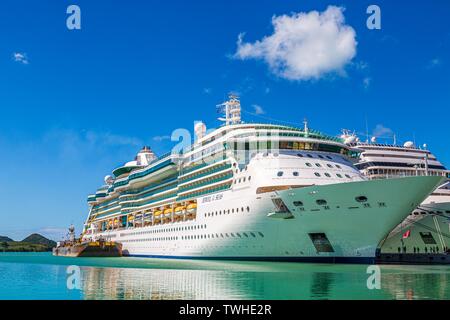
<point>76,104</point>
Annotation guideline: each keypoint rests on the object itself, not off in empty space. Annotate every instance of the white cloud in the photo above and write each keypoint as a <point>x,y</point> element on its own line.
<point>258,109</point>
<point>20,58</point>
<point>161,138</point>
<point>304,46</point>
<point>382,131</point>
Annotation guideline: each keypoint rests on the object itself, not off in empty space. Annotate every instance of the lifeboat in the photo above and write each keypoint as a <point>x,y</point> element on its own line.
<point>168,213</point>
<point>179,211</point>
<point>157,214</point>
<point>192,208</point>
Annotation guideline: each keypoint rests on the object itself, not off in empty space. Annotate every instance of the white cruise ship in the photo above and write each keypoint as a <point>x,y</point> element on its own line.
<point>252,192</point>
<point>428,226</point>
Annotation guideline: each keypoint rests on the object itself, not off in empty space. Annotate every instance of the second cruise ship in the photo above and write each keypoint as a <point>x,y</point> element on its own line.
<point>252,192</point>
<point>427,228</point>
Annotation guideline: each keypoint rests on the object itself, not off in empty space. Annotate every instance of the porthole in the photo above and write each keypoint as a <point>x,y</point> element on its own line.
<point>321,202</point>
<point>309,156</point>
<point>317,174</point>
<point>327,175</point>
<point>253,235</point>
<point>298,203</point>
<point>300,155</point>
<point>261,234</point>
<point>338,166</point>
<point>280,173</point>
<point>248,209</point>
<point>295,173</point>
<point>329,165</point>
<point>308,164</point>
<point>348,176</point>
<point>318,165</point>
<point>328,157</point>
<point>339,175</point>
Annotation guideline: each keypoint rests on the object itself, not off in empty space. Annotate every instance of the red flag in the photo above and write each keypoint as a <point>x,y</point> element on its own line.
<point>407,234</point>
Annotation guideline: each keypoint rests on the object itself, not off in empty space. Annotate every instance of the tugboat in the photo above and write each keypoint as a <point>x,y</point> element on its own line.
<point>77,248</point>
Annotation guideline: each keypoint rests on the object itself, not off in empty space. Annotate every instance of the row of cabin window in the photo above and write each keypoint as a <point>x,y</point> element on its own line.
<point>242,179</point>
<point>203,236</point>
<point>186,228</point>
<point>222,235</point>
<point>311,156</point>
<point>322,202</point>
<point>296,174</point>
<point>211,214</point>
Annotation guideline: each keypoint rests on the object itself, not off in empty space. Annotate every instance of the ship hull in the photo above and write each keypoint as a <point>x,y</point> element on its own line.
<point>242,225</point>
<point>87,251</point>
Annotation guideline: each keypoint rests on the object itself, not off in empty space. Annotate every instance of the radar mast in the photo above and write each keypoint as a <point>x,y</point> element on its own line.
<point>232,110</point>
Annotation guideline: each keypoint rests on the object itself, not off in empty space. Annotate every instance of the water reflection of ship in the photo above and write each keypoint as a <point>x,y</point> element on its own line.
<point>229,281</point>
<point>410,285</point>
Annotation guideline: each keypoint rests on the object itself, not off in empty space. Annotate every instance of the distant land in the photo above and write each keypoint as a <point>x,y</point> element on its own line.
<point>32,243</point>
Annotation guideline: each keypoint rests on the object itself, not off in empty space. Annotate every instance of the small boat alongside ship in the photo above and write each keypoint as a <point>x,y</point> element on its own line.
<point>75,248</point>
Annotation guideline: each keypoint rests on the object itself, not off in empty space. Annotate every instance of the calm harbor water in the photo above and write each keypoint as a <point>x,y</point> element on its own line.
<point>42,276</point>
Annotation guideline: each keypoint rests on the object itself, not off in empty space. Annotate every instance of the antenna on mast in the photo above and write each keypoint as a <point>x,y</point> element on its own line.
<point>367,130</point>
<point>232,110</point>
<point>306,127</point>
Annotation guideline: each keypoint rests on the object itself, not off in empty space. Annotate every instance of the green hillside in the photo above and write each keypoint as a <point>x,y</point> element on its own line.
<point>38,239</point>
<point>32,243</point>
